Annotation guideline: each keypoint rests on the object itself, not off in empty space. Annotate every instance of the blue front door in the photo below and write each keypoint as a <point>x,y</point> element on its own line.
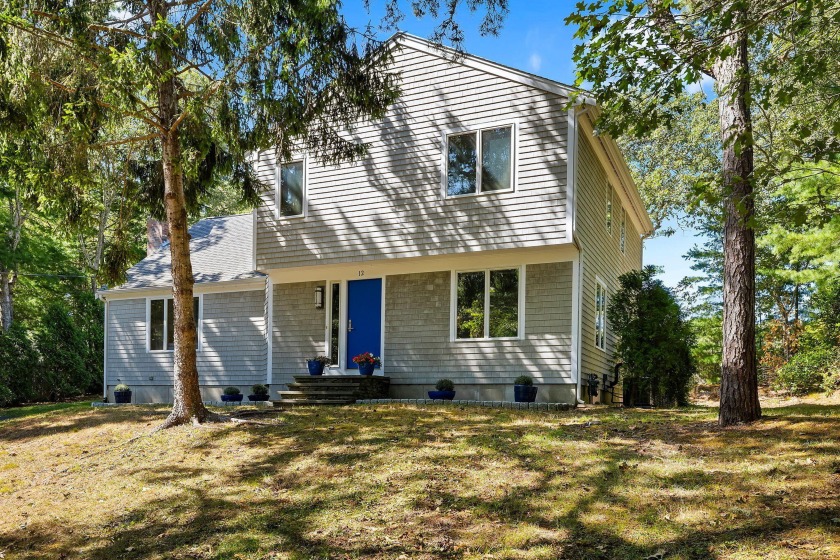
<point>364,318</point>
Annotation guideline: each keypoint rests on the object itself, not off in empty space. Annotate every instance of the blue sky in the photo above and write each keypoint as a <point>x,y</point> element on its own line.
<point>534,38</point>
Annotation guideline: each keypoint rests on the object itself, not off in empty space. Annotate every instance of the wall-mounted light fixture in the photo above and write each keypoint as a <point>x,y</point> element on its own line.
<point>319,297</point>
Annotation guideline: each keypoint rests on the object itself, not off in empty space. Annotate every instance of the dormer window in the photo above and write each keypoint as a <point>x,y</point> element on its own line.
<point>291,183</point>
<point>479,161</point>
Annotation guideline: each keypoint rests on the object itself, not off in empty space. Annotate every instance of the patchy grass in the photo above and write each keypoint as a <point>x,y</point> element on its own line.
<point>422,482</point>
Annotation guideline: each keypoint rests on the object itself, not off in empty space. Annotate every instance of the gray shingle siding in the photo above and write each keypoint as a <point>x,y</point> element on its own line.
<point>390,203</point>
<point>299,330</point>
<point>233,350</point>
<point>418,348</point>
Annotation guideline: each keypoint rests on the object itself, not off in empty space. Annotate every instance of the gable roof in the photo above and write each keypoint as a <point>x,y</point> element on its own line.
<point>605,145</point>
<point>221,250</point>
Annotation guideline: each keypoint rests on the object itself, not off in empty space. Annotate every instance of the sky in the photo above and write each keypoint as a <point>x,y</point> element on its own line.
<point>534,38</point>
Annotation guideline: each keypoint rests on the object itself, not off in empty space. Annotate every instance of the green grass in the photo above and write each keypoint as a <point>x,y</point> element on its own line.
<point>41,409</point>
<point>423,482</point>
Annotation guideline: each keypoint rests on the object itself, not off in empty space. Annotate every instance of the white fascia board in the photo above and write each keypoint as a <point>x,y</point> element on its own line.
<point>245,285</point>
<point>472,61</point>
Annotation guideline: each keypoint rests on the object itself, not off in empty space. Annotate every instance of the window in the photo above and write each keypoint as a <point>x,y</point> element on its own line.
<point>162,323</point>
<point>622,240</point>
<point>480,161</point>
<point>335,321</point>
<point>290,196</point>
<point>487,304</point>
<point>609,208</point>
<point>601,315</point>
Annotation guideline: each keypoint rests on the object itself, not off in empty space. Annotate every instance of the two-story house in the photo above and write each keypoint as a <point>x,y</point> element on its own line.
<point>480,239</point>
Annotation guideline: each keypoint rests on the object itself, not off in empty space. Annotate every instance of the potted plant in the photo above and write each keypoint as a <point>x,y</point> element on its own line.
<point>260,393</point>
<point>232,394</point>
<point>444,390</point>
<point>366,362</point>
<point>122,394</point>
<point>316,365</point>
<point>524,390</point>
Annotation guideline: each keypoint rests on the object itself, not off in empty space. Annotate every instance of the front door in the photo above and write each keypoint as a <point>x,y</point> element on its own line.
<point>364,318</point>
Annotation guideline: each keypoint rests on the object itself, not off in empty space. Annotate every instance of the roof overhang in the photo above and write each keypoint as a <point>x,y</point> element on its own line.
<point>616,167</point>
<point>240,285</point>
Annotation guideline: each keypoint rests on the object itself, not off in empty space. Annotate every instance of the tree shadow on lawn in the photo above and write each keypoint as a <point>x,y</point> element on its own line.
<point>320,486</point>
<point>20,430</point>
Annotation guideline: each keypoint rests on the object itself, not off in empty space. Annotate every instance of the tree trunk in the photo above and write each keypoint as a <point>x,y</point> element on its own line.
<point>187,405</point>
<point>6,300</point>
<point>739,377</point>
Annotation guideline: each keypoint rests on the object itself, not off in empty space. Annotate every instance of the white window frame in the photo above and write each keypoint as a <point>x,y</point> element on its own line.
<point>453,304</point>
<point>608,219</point>
<point>477,129</point>
<point>600,313</point>
<point>622,236</point>
<point>304,159</point>
<point>199,323</point>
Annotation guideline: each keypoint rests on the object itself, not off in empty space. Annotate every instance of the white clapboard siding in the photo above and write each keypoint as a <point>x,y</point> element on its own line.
<point>390,203</point>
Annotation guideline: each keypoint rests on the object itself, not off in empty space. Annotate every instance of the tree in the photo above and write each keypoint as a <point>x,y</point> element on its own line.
<point>640,56</point>
<point>210,82</point>
<point>654,340</point>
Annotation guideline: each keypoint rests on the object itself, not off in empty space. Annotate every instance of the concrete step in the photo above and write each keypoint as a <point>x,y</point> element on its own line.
<point>318,393</point>
<point>288,403</point>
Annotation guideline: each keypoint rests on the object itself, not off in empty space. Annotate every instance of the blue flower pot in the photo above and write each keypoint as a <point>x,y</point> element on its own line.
<point>442,395</point>
<point>315,367</point>
<point>366,369</point>
<point>232,398</point>
<point>257,398</point>
<point>122,397</point>
<point>524,393</point>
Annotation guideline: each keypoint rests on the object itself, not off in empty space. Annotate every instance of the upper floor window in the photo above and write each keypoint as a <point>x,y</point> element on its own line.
<point>487,304</point>
<point>600,315</point>
<point>162,323</point>
<point>622,240</point>
<point>479,161</point>
<point>291,190</point>
<point>609,208</point>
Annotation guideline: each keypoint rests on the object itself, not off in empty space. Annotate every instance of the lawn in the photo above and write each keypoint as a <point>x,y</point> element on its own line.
<point>401,481</point>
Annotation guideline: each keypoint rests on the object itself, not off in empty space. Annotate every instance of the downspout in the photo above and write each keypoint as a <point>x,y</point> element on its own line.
<point>571,162</point>
<point>104,347</point>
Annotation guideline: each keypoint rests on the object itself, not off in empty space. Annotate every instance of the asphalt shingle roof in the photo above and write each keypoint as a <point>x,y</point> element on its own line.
<point>221,250</point>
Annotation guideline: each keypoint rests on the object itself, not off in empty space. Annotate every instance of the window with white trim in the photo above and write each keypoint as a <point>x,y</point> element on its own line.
<point>162,323</point>
<point>609,212</point>
<point>622,241</point>
<point>487,304</point>
<point>291,188</point>
<point>601,315</point>
<point>479,161</point>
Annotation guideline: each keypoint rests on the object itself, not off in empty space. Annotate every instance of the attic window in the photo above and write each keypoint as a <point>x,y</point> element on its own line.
<point>479,161</point>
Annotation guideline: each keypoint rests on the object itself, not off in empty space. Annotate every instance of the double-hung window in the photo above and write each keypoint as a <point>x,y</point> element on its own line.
<point>479,161</point>
<point>487,304</point>
<point>609,208</point>
<point>622,240</point>
<point>162,323</point>
<point>291,188</point>
<point>600,315</point>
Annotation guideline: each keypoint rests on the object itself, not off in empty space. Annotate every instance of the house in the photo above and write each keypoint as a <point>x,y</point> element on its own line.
<point>480,239</point>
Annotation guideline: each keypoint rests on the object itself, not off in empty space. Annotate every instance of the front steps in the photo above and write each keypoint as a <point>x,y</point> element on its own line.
<point>332,389</point>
